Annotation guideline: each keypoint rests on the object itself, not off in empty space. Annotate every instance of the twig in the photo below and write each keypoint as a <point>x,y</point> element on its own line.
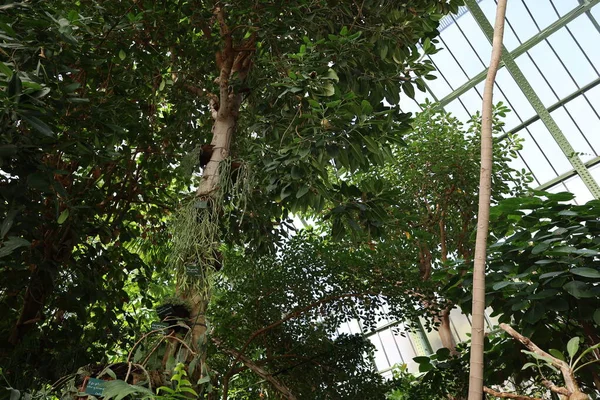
<point>294,315</point>
<point>554,388</point>
<point>114,26</point>
<point>282,388</point>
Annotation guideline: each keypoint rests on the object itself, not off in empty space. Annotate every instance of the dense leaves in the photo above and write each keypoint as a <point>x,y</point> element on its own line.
<point>283,311</point>
<point>543,277</point>
<point>101,101</point>
<point>84,177</point>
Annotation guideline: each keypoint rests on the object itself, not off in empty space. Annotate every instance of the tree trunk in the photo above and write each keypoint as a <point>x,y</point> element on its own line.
<point>225,108</point>
<point>445,331</point>
<point>485,182</point>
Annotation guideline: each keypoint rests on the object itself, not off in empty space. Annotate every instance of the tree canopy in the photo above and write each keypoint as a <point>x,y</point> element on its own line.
<point>155,159</point>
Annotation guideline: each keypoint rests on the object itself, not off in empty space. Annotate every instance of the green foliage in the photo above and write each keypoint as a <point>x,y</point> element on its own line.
<point>572,350</point>
<point>441,376</point>
<point>83,179</point>
<point>543,274</point>
<point>283,311</point>
<point>428,181</point>
<point>96,118</point>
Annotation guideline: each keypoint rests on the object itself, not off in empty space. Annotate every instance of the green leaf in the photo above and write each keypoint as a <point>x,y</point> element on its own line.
<point>409,89</point>
<point>552,274</point>
<point>331,74</point>
<point>546,359</point>
<point>366,107</point>
<point>14,86</point>
<point>544,294</point>
<point>38,181</point>
<point>578,289</point>
<point>63,216</point>
<point>204,380</point>
<point>535,313</point>
<point>6,70</point>
<point>528,365</point>
<point>122,54</point>
<point>562,196</point>
<point>38,125</point>
<point>302,191</point>
<point>422,360</point>
<point>8,150</point>
<point>573,347</point>
<point>14,394</point>
<point>501,285</point>
<point>329,89</point>
<point>8,222</point>
<point>568,213</point>
<point>118,389</point>
<point>556,353</point>
<point>540,248</point>
<point>12,244</point>
<point>586,272</point>
<point>383,51</point>
<point>425,367</point>
<point>285,191</point>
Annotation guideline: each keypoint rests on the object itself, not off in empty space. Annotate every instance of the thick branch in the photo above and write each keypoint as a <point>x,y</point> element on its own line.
<point>571,388</point>
<point>508,395</point>
<point>554,388</point>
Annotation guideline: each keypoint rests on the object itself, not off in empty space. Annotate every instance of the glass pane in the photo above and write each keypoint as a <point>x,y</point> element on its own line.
<point>564,6</point>
<point>520,106</point>
<point>579,68</point>
<point>571,131</point>
<point>533,156</point>
<point>475,36</point>
<point>542,12</point>
<point>456,43</point>
<point>461,325</point>
<point>588,122</point>
<point>550,148</point>
<point>520,20</point>
<point>391,350</point>
<point>579,189</point>
<point>449,68</point>
<point>552,69</point>
<point>381,361</point>
<point>587,36</point>
<point>535,79</point>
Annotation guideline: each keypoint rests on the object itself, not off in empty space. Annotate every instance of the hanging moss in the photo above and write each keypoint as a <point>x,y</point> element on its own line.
<point>198,228</point>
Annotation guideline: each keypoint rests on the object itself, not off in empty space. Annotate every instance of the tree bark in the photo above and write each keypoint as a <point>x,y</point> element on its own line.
<point>485,183</point>
<point>445,331</point>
